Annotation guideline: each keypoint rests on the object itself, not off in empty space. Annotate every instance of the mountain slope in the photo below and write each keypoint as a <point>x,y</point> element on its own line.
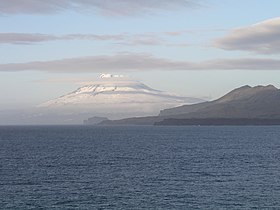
<point>245,105</point>
<point>244,102</point>
<point>113,92</point>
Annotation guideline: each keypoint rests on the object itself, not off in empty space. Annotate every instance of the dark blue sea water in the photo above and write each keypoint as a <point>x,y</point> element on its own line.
<point>79,167</point>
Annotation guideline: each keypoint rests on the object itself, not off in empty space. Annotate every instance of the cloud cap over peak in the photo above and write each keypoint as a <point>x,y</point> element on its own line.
<point>108,7</point>
<point>262,38</point>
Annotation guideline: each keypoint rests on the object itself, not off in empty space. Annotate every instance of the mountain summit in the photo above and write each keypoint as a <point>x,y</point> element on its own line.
<point>247,92</point>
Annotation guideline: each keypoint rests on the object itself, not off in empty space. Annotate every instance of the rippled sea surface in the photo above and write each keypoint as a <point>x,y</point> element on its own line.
<point>79,167</point>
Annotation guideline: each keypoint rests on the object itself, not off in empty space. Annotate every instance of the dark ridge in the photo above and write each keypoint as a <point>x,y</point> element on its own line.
<point>217,122</point>
<point>259,105</point>
<point>243,102</point>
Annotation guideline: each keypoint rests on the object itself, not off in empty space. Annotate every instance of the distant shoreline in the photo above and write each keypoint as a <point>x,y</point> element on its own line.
<point>218,122</point>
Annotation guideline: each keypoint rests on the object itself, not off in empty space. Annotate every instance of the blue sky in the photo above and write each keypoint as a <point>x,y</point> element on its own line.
<point>215,44</point>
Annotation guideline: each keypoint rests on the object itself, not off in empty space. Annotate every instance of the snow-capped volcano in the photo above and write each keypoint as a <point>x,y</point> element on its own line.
<point>116,96</point>
<point>117,90</point>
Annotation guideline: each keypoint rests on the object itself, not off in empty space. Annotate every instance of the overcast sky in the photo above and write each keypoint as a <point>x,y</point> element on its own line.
<point>201,48</point>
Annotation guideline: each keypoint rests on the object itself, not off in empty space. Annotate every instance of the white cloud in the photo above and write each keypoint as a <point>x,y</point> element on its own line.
<point>263,37</point>
<point>139,62</point>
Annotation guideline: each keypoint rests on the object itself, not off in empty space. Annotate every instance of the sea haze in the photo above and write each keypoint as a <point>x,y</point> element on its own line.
<point>80,167</point>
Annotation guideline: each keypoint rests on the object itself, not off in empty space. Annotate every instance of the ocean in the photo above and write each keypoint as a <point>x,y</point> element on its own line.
<point>192,167</point>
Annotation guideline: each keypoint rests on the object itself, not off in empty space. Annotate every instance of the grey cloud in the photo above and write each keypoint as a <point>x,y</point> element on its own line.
<point>263,37</point>
<point>93,37</point>
<point>122,39</point>
<point>240,64</point>
<point>143,39</point>
<point>32,6</point>
<point>139,62</point>
<point>107,7</point>
<point>25,38</point>
<point>21,38</point>
<point>119,62</point>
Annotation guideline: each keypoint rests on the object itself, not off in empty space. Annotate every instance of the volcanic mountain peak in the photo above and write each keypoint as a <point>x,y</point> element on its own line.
<point>246,92</point>
<point>116,93</point>
<point>102,76</point>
